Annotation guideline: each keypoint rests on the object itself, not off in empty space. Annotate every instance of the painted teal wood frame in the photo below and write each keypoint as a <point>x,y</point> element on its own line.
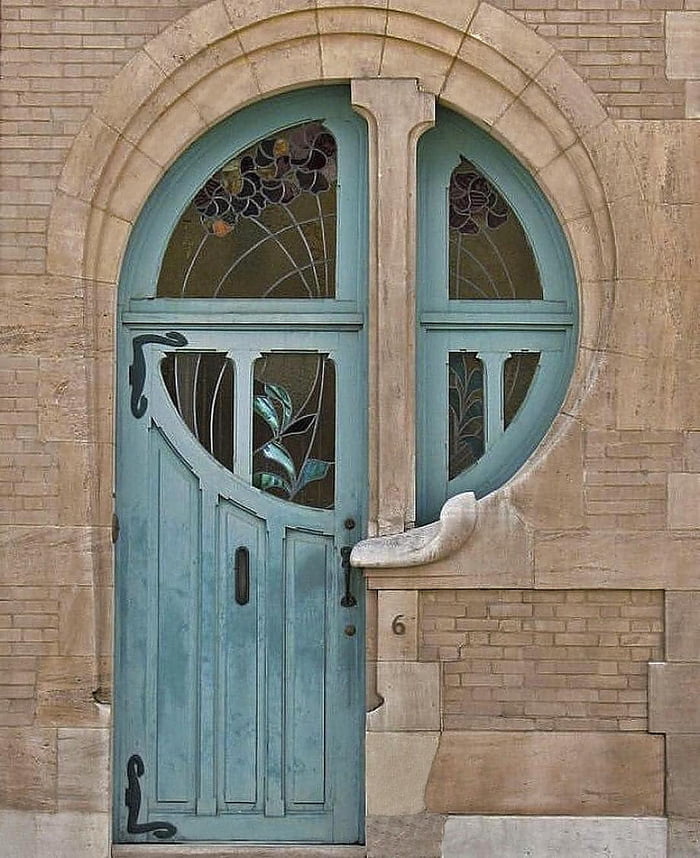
<point>182,644</point>
<point>494,328</point>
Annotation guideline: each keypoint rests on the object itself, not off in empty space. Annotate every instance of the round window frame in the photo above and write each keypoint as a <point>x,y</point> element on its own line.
<point>445,325</point>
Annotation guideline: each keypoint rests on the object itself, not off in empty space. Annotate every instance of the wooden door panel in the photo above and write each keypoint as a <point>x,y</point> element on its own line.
<point>174,622</point>
<point>241,652</point>
<point>308,557</point>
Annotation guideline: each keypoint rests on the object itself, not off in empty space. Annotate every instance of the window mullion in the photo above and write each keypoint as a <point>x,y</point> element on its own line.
<point>242,414</point>
<point>493,394</point>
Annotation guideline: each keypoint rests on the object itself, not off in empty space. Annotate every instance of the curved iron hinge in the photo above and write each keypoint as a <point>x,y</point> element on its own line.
<point>132,798</point>
<point>137,370</point>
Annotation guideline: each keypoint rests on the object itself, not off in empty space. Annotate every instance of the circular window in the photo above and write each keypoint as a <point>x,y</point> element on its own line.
<point>497,314</point>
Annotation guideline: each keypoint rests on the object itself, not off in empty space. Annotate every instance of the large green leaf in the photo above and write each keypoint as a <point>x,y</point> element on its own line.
<point>265,481</point>
<point>314,469</point>
<point>264,407</point>
<point>276,452</point>
<point>276,391</point>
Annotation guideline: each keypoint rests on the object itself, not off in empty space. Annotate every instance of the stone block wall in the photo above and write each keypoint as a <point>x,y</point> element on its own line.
<point>542,660</point>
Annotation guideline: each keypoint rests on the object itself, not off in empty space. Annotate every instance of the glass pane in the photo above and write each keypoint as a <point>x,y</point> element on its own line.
<point>490,257</point>
<point>518,374</point>
<point>263,226</point>
<point>200,385</point>
<point>466,411</point>
<point>294,427</point>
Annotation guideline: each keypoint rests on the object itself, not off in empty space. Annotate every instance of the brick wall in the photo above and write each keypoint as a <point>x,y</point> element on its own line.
<point>28,472</point>
<point>617,46</point>
<point>542,660</point>
<point>56,59</point>
<point>626,476</point>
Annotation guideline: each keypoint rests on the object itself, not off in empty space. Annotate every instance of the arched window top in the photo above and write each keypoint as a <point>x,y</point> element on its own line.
<point>287,170</point>
<point>529,238</point>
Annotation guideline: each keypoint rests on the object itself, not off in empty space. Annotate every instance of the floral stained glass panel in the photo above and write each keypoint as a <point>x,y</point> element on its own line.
<point>263,226</point>
<point>466,436</point>
<point>294,427</point>
<point>490,257</point>
<point>200,385</point>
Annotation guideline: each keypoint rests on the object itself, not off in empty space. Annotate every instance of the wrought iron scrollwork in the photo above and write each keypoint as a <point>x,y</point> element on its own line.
<point>132,798</point>
<point>137,370</point>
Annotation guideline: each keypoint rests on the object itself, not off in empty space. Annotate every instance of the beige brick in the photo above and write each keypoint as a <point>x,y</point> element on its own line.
<point>683,45</point>
<point>387,753</point>
<point>411,693</point>
<point>430,67</point>
<point>522,47</point>
<point>454,15</point>
<point>398,625</point>
<point>673,697</point>
<point>500,673</point>
<point>616,559</point>
<point>64,692</point>
<point>489,97</point>
<point>684,501</point>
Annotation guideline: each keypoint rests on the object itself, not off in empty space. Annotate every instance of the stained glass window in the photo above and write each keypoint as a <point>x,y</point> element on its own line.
<point>294,427</point>
<point>518,375</point>
<point>496,314</point>
<point>200,385</point>
<point>490,256</point>
<point>263,225</point>
<point>466,411</point>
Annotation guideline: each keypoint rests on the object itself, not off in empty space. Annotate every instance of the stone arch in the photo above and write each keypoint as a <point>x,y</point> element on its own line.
<point>477,60</point>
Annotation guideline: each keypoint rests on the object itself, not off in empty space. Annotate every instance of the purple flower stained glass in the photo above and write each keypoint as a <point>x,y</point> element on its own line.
<point>474,202</point>
<point>274,171</point>
<point>263,225</point>
<point>490,255</point>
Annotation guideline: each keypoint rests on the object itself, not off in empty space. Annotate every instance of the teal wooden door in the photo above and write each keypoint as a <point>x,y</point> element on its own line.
<point>239,646</point>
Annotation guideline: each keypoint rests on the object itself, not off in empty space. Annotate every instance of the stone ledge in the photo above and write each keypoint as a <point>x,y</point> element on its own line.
<point>217,850</point>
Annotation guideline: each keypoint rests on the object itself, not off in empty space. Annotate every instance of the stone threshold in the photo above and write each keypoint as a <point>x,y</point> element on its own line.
<point>219,850</point>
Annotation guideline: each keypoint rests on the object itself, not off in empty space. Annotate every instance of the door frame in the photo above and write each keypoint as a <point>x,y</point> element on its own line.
<point>136,311</point>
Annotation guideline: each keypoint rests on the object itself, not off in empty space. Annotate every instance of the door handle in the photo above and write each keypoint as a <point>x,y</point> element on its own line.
<point>242,575</point>
<point>348,600</point>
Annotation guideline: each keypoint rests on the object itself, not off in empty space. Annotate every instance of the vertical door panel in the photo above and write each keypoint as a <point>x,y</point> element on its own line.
<point>306,563</point>
<point>177,612</point>
<point>241,632</point>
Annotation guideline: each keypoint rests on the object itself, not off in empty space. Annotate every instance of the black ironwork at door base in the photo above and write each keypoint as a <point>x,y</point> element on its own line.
<point>132,798</point>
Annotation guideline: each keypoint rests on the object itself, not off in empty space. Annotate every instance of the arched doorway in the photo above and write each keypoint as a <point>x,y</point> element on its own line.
<point>241,481</point>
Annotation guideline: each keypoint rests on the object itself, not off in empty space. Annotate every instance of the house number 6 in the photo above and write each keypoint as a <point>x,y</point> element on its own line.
<point>397,627</point>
